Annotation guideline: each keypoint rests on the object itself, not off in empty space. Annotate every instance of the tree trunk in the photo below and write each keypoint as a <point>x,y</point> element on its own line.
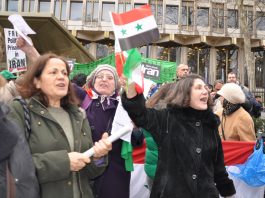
<point>249,62</point>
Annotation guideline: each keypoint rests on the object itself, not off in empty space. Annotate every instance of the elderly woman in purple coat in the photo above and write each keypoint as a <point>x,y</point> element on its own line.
<point>100,102</point>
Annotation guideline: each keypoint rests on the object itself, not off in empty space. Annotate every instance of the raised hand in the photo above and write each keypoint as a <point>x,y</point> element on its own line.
<point>29,50</point>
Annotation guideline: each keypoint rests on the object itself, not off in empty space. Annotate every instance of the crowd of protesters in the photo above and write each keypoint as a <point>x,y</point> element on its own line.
<point>55,120</point>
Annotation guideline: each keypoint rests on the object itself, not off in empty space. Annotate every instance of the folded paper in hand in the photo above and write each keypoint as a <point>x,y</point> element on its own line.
<point>21,27</point>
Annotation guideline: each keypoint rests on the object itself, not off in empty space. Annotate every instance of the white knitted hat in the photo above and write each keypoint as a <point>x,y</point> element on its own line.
<point>232,93</point>
<point>92,76</point>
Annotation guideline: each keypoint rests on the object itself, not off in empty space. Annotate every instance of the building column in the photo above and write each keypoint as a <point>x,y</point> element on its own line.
<point>93,49</point>
<point>240,63</point>
<point>212,65</point>
<point>184,57</point>
<point>152,51</point>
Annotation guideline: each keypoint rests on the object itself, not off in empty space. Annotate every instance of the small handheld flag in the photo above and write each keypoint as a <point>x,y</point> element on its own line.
<point>135,28</point>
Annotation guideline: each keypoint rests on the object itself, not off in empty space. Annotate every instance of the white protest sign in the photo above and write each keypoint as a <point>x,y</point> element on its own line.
<point>15,58</point>
<point>71,63</point>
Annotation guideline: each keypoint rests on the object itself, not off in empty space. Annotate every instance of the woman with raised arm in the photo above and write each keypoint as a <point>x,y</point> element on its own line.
<point>190,157</point>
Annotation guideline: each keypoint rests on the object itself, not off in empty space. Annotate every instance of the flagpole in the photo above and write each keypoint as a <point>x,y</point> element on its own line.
<point>121,58</point>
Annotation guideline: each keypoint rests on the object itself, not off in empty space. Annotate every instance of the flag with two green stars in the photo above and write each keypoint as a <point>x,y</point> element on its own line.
<point>135,28</point>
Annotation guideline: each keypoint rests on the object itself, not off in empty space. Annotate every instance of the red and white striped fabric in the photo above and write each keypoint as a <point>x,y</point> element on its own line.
<point>234,153</point>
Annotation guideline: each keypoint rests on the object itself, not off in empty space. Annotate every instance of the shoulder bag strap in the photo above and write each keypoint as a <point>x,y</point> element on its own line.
<point>223,133</point>
<point>26,116</point>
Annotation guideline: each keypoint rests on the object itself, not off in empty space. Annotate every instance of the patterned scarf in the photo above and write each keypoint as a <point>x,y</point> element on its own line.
<point>229,108</point>
<point>105,101</point>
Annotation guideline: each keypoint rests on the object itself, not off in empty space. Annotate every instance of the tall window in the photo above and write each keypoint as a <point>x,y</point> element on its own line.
<point>92,11</point>
<point>203,17</point>
<point>60,9</point>
<point>259,69</point>
<point>167,54</point>
<point>204,57</point>
<point>172,54</point>
<point>248,13</point>
<point>76,10</point>
<point>124,6</point>
<point>106,8</point>
<point>232,60</point>
<point>218,16</point>
<point>44,6</point>
<point>226,62</point>
<point>221,65</point>
<point>198,61</point>
<point>260,21</point>
<point>232,19</point>
<point>157,10</point>
<point>28,5</point>
<point>162,53</point>
<point>187,16</point>
<point>192,60</point>
<point>12,5</point>
<point>171,16</point>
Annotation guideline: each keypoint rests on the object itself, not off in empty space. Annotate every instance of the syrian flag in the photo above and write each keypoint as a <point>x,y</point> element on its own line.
<point>235,152</point>
<point>135,28</point>
<point>133,69</point>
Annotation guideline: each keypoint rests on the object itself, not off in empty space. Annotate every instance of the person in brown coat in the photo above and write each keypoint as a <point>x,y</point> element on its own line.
<point>236,123</point>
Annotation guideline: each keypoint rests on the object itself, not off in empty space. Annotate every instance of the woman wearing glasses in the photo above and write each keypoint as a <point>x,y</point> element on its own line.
<point>100,102</point>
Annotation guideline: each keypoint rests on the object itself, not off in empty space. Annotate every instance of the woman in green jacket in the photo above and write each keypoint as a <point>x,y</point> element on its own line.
<point>60,132</point>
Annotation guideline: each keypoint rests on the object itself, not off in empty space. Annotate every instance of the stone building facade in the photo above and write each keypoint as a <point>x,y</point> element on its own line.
<point>205,34</point>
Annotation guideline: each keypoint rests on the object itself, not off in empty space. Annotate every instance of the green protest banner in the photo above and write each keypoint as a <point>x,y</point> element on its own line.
<point>158,71</point>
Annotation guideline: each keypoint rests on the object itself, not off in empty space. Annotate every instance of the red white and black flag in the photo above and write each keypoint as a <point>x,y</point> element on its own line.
<point>135,28</point>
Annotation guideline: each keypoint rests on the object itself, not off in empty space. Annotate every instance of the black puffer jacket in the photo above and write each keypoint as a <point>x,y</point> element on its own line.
<point>190,162</point>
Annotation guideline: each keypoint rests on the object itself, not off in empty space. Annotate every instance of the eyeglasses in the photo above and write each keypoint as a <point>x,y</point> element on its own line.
<point>102,76</point>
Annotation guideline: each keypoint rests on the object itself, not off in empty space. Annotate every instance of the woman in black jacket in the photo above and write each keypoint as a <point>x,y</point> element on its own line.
<point>190,156</point>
